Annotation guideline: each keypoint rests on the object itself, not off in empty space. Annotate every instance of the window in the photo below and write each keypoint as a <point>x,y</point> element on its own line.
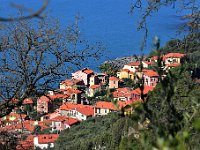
<point>105,110</point>
<point>114,82</point>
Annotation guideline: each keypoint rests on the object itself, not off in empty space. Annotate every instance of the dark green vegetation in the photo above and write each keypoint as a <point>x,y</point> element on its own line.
<point>168,119</point>
<point>101,132</point>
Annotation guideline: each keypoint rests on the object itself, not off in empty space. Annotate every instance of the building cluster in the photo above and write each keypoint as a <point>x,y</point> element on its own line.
<point>69,105</point>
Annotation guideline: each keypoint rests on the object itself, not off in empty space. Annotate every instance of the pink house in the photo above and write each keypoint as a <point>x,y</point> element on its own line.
<point>46,104</point>
<point>84,75</point>
<point>150,78</point>
<point>113,82</point>
<point>60,123</point>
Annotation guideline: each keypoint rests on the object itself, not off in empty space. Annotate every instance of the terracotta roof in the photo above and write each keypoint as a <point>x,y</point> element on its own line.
<point>145,91</point>
<point>30,138</point>
<point>124,104</point>
<point>65,119</point>
<point>127,70</point>
<point>70,91</point>
<point>173,65</point>
<point>94,86</point>
<point>71,82</point>
<point>28,125</point>
<point>137,63</point>
<point>52,97</point>
<point>70,106</point>
<point>114,78</point>
<point>27,101</point>
<point>150,73</point>
<point>122,92</point>
<point>88,71</point>
<point>174,55</point>
<point>105,105</point>
<point>154,58</point>
<point>47,138</point>
<point>86,110</point>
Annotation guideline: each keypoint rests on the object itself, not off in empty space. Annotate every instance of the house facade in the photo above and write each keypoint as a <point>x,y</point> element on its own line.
<point>150,78</point>
<point>173,58</point>
<point>45,140</point>
<point>125,73</point>
<point>102,108</point>
<point>113,82</point>
<point>60,123</point>
<point>84,75</point>
<point>123,94</point>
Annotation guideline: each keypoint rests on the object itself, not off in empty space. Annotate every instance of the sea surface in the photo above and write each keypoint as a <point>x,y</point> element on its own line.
<point>109,22</point>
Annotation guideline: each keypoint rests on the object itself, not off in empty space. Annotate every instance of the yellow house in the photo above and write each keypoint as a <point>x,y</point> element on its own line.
<point>172,58</point>
<point>125,73</point>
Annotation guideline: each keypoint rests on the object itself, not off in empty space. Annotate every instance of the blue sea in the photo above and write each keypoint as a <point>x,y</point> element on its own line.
<point>109,22</point>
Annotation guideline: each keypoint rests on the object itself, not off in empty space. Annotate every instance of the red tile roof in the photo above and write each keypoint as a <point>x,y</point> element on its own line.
<point>52,97</point>
<point>70,91</point>
<point>145,91</point>
<point>105,105</point>
<point>94,86</point>
<point>88,71</point>
<point>150,73</point>
<point>28,101</point>
<point>71,82</point>
<point>122,92</point>
<point>69,106</point>
<point>127,70</point>
<point>174,55</point>
<point>65,119</point>
<point>137,63</point>
<point>124,104</point>
<point>114,78</point>
<point>47,138</point>
<point>86,110</point>
<point>154,58</point>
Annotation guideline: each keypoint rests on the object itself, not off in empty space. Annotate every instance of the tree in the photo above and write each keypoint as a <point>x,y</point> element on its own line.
<point>34,57</point>
<point>36,14</point>
<point>108,68</point>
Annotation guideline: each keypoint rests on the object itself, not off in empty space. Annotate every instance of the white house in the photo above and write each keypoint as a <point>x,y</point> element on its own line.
<point>45,140</point>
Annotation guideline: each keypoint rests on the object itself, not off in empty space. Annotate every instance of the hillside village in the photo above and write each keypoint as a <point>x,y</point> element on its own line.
<point>86,94</point>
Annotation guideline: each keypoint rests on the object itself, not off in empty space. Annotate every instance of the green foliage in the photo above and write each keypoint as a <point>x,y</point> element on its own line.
<point>127,82</point>
<point>100,132</point>
<point>168,118</point>
<point>109,69</point>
